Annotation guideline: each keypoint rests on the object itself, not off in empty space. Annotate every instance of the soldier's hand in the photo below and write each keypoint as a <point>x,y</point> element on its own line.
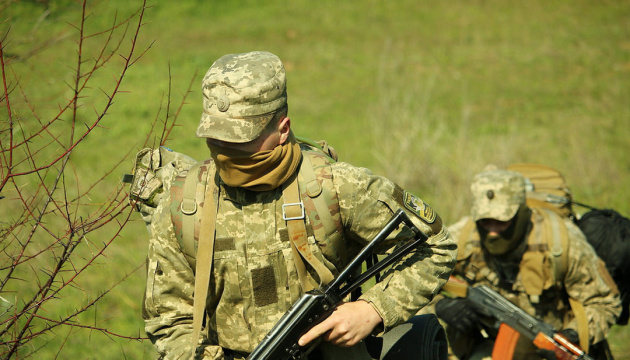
<point>350,323</point>
<point>546,354</point>
<point>458,313</point>
<point>571,335</point>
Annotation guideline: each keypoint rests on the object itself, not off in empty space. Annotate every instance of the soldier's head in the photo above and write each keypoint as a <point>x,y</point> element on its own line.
<point>244,95</point>
<point>499,209</point>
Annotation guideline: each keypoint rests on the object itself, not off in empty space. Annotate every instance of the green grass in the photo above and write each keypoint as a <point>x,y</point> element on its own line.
<point>426,93</point>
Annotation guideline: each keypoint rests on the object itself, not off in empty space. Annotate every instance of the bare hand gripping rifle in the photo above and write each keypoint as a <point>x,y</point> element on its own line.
<point>514,321</point>
<point>281,343</point>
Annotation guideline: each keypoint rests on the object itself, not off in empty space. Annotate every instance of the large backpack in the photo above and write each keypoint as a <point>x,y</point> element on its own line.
<point>609,233</point>
<point>546,188</point>
<point>606,230</point>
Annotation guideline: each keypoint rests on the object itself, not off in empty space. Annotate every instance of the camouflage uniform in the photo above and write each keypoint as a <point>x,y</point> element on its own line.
<point>254,279</point>
<point>498,195</point>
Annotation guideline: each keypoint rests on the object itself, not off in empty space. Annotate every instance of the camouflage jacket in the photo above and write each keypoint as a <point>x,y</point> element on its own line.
<point>254,279</point>
<point>584,277</point>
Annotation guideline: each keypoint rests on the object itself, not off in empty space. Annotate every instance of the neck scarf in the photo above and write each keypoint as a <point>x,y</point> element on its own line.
<point>260,171</point>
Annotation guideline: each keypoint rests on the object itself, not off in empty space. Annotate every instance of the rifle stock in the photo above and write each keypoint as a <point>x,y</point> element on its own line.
<point>316,305</point>
<point>514,321</point>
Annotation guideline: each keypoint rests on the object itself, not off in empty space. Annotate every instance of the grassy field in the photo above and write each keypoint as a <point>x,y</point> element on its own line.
<point>426,93</point>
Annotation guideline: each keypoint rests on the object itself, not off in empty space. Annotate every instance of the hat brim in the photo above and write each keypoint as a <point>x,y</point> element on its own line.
<point>235,130</point>
<point>501,212</point>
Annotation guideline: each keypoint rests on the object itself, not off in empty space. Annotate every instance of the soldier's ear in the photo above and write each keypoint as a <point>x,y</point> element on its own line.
<point>284,128</point>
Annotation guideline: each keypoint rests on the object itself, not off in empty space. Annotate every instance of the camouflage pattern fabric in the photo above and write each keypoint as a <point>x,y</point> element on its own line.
<point>586,280</point>
<point>254,278</point>
<point>153,172</point>
<point>241,92</point>
<point>497,194</point>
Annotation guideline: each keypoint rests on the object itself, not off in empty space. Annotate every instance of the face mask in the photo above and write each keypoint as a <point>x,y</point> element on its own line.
<point>509,239</point>
<point>261,171</point>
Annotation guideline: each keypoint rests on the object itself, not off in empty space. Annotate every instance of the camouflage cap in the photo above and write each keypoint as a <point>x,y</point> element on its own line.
<point>497,194</point>
<point>241,93</point>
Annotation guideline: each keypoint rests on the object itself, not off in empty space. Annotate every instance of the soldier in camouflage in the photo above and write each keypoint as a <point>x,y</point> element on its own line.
<point>254,278</point>
<point>536,259</point>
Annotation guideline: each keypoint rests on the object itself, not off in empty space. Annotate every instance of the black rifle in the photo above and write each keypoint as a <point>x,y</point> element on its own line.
<point>281,343</point>
<point>491,304</point>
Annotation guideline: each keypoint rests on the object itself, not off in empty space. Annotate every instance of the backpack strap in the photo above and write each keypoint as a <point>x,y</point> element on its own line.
<point>294,214</point>
<point>204,258</point>
<point>558,244</point>
<point>317,203</point>
<point>187,195</point>
<point>188,208</point>
<point>582,323</point>
<point>544,264</point>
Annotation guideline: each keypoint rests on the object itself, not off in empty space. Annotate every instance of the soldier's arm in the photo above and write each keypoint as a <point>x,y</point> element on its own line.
<point>588,281</point>
<point>168,300</point>
<point>367,202</point>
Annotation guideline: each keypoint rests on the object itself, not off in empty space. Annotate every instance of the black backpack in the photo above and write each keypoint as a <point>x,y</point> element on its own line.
<point>609,233</point>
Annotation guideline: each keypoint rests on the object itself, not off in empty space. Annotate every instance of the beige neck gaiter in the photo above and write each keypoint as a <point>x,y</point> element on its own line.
<point>260,171</point>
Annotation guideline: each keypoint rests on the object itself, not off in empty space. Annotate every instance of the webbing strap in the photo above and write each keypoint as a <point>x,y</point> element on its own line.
<point>314,189</point>
<point>559,249</point>
<point>204,257</point>
<point>582,323</point>
<point>465,235</point>
<point>293,212</point>
<point>189,208</point>
<point>558,241</point>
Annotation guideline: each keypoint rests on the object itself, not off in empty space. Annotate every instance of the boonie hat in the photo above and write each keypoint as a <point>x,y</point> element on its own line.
<point>497,194</point>
<point>241,93</point>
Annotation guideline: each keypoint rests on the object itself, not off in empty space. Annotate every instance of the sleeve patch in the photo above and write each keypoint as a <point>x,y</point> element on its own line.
<point>419,207</point>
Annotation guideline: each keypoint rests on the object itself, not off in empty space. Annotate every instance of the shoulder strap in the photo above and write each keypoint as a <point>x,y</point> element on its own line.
<point>317,205</point>
<point>294,214</point>
<point>558,244</point>
<point>187,195</point>
<point>544,263</point>
<point>204,258</point>
<point>557,237</point>
<point>465,235</point>
<point>188,208</point>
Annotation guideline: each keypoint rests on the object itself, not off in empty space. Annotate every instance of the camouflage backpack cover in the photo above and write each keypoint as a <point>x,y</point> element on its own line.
<point>152,174</point>
<point>546,188</point>
<point>605,229</point>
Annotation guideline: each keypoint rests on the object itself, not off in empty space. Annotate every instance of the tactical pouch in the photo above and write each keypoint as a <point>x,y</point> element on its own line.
<point>153,172</point>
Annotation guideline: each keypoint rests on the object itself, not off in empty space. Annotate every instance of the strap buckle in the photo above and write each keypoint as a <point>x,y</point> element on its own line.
<point>188,206</point>
<point>284,213</point>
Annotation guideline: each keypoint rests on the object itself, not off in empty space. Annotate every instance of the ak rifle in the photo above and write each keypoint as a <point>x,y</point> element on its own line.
<point>514,321</point>
<point>281,343</point>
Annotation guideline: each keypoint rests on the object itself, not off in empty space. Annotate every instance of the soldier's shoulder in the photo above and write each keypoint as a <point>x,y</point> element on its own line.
<point>462,232</point>
<point>344,174</point>
<point>459,224</point>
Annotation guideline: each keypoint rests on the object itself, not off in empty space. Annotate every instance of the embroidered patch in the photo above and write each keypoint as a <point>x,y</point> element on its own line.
<point>418,207</point>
